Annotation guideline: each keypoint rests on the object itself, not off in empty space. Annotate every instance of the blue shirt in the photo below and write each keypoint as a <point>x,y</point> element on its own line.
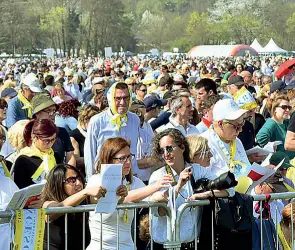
<point>15,112</point>
<point>69,123</point>
<point>101,129</point>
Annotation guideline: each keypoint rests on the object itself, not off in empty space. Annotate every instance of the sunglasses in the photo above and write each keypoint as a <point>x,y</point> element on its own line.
<point>143,90</point>
<point>285,107</point>
<point>125,158</point>
<point>3,106</point>
<point>236,127</point>
<point>72,180</point>
<point>46,140</point>
<point>168,149</point>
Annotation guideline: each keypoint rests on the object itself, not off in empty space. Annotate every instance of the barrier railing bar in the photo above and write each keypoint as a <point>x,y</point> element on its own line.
<point>84,225</point>
<point>66,231</point>
<point>134,222</point>
<point>48,235</point>
<point>100,230</point>
<point>261,226</point>
<point>118,231</point>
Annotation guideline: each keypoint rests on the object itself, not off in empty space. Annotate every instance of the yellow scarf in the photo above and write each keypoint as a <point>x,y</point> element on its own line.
<point>117,119</point>
<point>5,169</point>
<point>46,165</point>
<point>125,215</point>
<point>282,238</point>
<point>26,103</point>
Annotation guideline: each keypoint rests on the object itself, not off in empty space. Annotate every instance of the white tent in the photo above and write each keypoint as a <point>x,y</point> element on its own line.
<point>221,51</point>
<point>272,47</point>
<point>256,45</point>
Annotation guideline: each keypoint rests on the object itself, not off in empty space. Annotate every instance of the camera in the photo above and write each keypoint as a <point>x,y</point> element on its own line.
<point>224,181</point>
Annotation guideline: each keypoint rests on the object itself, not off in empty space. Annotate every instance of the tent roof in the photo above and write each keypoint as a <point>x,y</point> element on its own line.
<point>272,47</point>
<point>219,50</point>
<point>256,45</point>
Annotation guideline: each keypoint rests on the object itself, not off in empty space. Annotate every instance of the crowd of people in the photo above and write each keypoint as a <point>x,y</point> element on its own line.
<point>167,122</point>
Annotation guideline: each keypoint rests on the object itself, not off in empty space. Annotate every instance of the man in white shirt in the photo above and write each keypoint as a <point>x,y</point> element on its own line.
<point>182,112</point>
<point>228,151</point>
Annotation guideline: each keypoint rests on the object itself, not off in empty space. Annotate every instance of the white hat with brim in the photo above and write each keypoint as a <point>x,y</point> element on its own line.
<point>33,83</point>
<point>227,109</point>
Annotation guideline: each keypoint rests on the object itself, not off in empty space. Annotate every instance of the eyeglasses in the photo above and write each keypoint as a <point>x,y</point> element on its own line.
<point>285,107</point>
<point>168,149</point>
<point>73,179</point>
<point>125,158</point>
<point>50,112</point>
<point>236,127</point>
<point>143,90</point>
<point>46,140</point>
<point>124,98</point>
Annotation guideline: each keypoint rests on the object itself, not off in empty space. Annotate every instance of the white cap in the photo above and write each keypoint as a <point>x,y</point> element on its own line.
<point>227,109</point>
<point>97,80</point>
<point>33,83</point>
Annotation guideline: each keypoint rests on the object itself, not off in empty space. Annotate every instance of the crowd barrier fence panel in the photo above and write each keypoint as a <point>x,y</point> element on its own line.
<point>173,236</point>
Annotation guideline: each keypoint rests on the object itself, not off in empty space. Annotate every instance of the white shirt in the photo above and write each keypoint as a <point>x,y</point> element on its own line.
<point>144,149</point>
<point>100,129</point>
<point>219,163</point>
<point>7,189</point>
<point>201,127</point>
<point>109,223</point>
<point>189,130</point>
<point>190,216</point>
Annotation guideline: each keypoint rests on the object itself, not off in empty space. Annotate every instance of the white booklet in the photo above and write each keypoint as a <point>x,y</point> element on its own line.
<point>256,175</point>
<point>267,149</point>
<point>23,197</point>
<point>111,179</point>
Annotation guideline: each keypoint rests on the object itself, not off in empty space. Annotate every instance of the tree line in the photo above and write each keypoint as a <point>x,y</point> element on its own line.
<point>86,27</point>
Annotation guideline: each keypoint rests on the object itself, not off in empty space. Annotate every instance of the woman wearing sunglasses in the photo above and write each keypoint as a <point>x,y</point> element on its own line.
<point>117,151</point>
<point>275,128</point>
<point>37,159</point>
<point>173,147</point>
<point>66,187</point>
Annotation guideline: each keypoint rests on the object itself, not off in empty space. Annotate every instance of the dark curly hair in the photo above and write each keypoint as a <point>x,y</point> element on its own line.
<point>68,108</point>
<point>178,139</point>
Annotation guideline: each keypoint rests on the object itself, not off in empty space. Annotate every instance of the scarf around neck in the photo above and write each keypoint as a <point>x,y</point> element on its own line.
<point>27,105</point>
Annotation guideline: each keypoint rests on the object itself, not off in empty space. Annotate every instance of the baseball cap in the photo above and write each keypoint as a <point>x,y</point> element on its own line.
<point>277,85</point>
<point>8,92</point>
<point>33,83</point>
<point>276,183</point>
<point>236,80</point>
<point>227,109</point>
<point>41,102</point>
<point>151,102</point>
<point>279,156</point>
<point>136,105</point>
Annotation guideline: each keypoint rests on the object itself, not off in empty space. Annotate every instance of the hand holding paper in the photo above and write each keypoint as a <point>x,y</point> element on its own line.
<point>111,179</point>
<point>267,149</point>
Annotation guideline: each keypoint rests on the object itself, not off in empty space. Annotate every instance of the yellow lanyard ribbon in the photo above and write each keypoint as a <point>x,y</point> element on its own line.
<point>282,238</point>
<point>27,105</point>
<point>232,153</point>
<point>125,215</point>
<point>169,171</point>
<point>5,169</point>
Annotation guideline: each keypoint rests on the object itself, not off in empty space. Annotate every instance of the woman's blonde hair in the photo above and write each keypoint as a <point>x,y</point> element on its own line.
<point>197,144</point>
<point>16,135</point>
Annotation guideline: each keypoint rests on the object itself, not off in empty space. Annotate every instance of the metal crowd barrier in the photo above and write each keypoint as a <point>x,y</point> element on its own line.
<point>173,236</point>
